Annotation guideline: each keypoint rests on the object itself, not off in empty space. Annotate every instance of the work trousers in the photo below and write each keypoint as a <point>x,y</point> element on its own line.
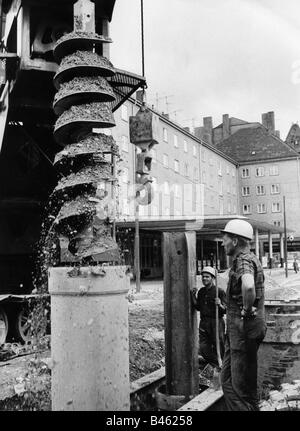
<point>239,369</point>
<point>207,339</point>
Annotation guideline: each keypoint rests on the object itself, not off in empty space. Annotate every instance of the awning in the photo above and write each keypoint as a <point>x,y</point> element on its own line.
<point>209,226</point>
<point>214,224</point>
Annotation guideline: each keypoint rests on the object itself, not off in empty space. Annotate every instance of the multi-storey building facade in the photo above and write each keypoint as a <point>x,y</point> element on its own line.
<point>192,180</point>
<point>268,171</point>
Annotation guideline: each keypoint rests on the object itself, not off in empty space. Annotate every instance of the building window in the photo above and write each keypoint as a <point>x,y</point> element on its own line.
<point>125,206</point>
<point>154,210</point>
<point>220,168</point>
<point>233,172</point>
<point>125,146</point>
<point>154,184</point>
<point>221,207</point>
<point>166,160</point>
<point>246,209</point>
<point>227,170</point>
<point>211,162</point>
<point>175,141</point>
<point>203,155</point>
<point>234,189</point>
<point>142,210</point>
<point>261,208</point>
<point>166,188</point>
<point>275,207</point>
<point>245,173</point>
<point>229,207</point>
<point>176,165</point>
<point>203,177</point>
<point>274,170</point>
<point>196,174</point>
<point>260,171</point>
<point>246,191</point>
<point>234,208</point>
<point>124,112</point>
<point>211,179</point>
<point>220,187</point>
<point>125,175</point>
<point>277,223</point>
<point>275,189</point>
<point>185,146</point>
<point>176,190</point>
<point>165,134</point>
<point>194,150</point>
<point>260,190</point>
<point>186,170</point>
<point>228,188</point>
<point>154,155</point>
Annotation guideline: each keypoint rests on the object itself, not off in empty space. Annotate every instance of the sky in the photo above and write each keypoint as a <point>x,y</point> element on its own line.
<point>214,57</point>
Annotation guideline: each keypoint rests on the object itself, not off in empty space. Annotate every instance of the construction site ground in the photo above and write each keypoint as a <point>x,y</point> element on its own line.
<point>146,342</point>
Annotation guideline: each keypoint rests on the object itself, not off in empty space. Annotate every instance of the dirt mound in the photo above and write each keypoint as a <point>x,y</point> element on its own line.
<point>146,341</point>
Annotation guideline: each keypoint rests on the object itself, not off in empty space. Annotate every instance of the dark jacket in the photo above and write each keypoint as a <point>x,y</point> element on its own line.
<point>206,302</point>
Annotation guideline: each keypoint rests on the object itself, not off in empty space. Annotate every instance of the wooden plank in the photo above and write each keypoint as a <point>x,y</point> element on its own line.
<point>203,401</point>
<point>181,332</point>
<point>147,380</point>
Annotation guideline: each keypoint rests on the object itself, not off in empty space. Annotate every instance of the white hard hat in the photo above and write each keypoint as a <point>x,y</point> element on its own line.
<point>240,228</point>
<point>209,270</point>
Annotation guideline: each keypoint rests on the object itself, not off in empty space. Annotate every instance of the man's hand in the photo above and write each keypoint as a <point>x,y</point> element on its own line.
<point>219,303</point>
<point>248,314</point>
<point>194,294</point>
<point>194,291</point>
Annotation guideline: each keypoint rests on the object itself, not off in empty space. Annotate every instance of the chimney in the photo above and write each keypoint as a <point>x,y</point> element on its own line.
<point>165,115</point>
<point>268,121</point>
<point>208,126</point>
<point>277,133</point>
<point>226,126</point>
<point>187,129</point>
<point>199,132</point>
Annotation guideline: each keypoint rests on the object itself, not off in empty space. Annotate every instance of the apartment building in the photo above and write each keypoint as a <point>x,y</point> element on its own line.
<point>191,180</point>
<point>268,171</point>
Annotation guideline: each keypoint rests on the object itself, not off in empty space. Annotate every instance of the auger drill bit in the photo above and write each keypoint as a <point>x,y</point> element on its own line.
<point>81,201</point>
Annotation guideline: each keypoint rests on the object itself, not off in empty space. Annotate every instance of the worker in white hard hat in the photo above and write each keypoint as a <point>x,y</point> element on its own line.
<point>204,300</point>
<point>245,319</point>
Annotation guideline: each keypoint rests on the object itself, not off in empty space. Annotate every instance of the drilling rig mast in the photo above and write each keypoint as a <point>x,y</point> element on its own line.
<point>47,161</point>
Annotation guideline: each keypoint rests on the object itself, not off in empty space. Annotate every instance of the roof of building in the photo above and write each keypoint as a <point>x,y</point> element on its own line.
<point>207,225</point>
<point>293,132</point>
<point>254,144</point>
<point>211,147</point>
<point>233,122</point>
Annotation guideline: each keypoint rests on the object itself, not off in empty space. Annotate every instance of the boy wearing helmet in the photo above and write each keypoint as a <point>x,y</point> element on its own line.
<point>205,302</point>
<point>246,326</point>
